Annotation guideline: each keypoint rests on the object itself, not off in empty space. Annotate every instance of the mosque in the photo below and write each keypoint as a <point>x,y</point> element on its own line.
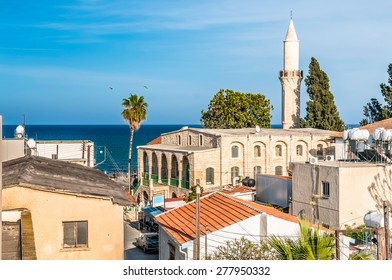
<point>214,158</point>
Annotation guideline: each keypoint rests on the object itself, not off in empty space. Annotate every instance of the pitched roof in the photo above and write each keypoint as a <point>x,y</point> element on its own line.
<point>155,141</point>
<point>217,210</point>
<point>59,176</point>
<point>387,124</point>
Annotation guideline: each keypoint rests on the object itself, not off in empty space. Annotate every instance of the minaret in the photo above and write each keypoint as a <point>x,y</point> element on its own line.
<point>290,78</point>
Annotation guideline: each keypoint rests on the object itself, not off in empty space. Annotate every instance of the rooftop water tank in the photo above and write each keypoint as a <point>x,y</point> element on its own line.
<point>373,219</point>
<point>358,134</point>
<point>377,133</point>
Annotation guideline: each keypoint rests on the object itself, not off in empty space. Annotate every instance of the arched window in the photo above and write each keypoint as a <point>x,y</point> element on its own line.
<point>210,176</point>
<point>257,151</point>
<point>235,151</point>
<point>299,150</point>
<point>278,170</point>
<point>320,150</point>
<point>190,140</point>
<point>235,172</point>
<point>200,140</point>
<point>179,139</point>
<point>256,170</point>
<point>278,150</point>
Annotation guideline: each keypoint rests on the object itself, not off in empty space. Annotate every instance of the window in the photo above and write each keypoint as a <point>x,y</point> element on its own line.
<point>210,176</point>
<point>256,170</point>
<point>234,151</point>
<point>190,140</point>
<point>235,172</point>
<point>278,170</point>
<point>200,140</point>
<point>257,151</point>
<point>179,139</point>
<point>320,151</point>
<point>75,234</point>
<point>299,150</point>
<point>172,251</point>
<point>325,189</point>
<point>278,150</point>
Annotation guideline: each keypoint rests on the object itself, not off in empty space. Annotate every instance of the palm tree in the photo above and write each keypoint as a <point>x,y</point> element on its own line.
<point>135,111</point>
<point>312,244</point>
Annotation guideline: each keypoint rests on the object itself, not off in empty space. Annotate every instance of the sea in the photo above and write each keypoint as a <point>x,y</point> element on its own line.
<point>111,142</point>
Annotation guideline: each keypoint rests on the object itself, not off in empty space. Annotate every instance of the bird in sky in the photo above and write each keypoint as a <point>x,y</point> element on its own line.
<point>110,88</point>
<point>145,87</point>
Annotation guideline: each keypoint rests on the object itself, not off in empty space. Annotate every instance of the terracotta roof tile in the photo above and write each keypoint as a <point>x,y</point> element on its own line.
<point>238,189</point>
<point>156,141</point>
<point>217,210</point>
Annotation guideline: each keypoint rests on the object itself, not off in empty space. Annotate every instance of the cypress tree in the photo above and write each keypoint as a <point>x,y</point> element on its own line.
<point>321,110</point>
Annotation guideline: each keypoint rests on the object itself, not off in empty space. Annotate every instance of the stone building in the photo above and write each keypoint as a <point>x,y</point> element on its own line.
<point>217,157</point>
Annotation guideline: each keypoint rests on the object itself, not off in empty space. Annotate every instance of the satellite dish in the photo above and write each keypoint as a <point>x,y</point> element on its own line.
<point>31,143</point>
<point>19,131</point>
<point>257,129</point>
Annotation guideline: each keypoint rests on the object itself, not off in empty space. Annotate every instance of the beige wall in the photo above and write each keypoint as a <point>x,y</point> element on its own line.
<point>355,188</point>
<point>49,210</point>
<point>12,148</point>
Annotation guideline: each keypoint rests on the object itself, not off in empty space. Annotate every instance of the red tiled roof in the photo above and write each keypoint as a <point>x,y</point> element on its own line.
<point>130,197</point>
<point>155,141</point>
<point>238,189</point>
<point>217,210</point>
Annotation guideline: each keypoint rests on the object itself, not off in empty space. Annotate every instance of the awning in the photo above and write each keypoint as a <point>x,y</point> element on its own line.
<point>153,211</point>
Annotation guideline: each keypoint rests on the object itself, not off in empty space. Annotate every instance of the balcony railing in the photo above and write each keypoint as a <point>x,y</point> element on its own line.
<point>174,182</point>
<point>185,184</point>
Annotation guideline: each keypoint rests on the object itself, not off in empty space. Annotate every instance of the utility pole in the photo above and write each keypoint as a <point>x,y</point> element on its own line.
<point>205,242</point>
<point>197,247</point>
<point>387,230</point>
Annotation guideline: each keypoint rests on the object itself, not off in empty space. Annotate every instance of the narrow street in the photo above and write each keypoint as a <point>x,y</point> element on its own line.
<point>131,232</point>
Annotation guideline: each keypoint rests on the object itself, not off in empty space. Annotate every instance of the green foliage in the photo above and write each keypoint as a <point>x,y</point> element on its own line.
<point>321,111</point>
<point>232,109</point>
<point>360,236</point>
<point>375,111</point>
<point>312,244</point>
<point>135,110</point>
<point>192,194</point>
<point>243,249</point>
<point>364,255</point>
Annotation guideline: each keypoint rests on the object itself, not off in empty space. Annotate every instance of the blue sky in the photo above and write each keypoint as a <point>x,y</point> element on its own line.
<point>59,58</point>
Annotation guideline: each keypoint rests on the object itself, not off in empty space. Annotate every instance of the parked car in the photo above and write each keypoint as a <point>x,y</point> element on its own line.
<point>149,242</point>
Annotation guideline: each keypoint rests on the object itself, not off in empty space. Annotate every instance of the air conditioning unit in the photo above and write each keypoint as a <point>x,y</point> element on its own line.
<point>329,158</point>
<point>313,160</point>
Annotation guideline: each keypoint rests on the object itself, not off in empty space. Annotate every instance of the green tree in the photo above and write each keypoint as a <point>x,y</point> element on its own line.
<point>232,109</point>
<point>312,244</point>
<point>321,110</point>
<point>375,111</point>
<point>242,249</point>
<point>135,111</point>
